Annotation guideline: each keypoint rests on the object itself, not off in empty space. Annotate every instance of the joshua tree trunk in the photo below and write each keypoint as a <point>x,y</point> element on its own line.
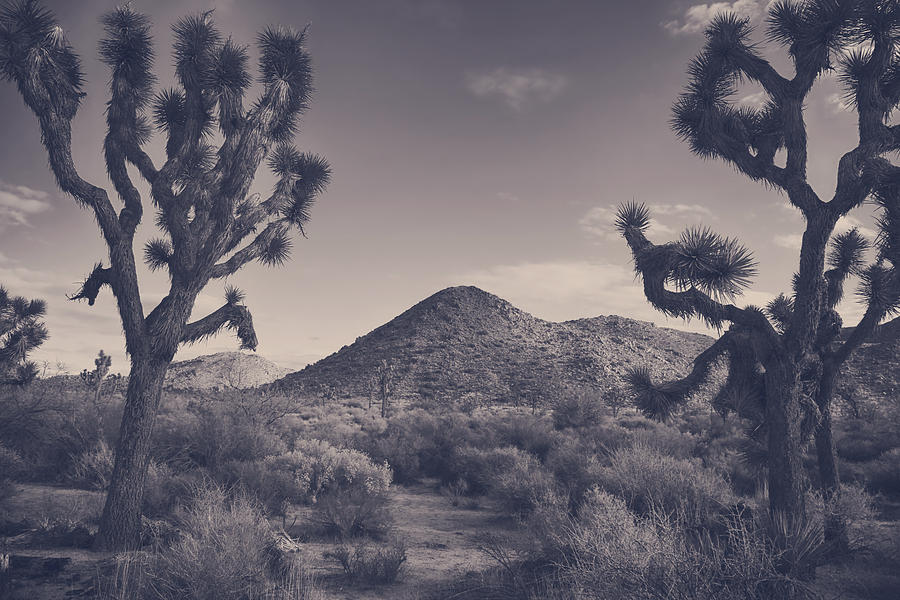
<point>121,521</point>
<point>829,478</point>
<point>783,418</point>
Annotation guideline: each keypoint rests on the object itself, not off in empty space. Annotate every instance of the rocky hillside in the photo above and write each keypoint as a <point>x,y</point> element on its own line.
<point>223,370</point>
<point>873,371</point>
<point>463,342</point>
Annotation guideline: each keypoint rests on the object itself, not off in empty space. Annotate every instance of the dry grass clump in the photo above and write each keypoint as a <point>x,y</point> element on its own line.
<point>372,564</point>
<point>226,551</point>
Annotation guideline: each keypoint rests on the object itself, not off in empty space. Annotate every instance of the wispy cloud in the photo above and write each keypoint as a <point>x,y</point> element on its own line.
<point>838,103</point>
<point>697,17</point>
<point>756,100</point>
<point>18,203</point>
<point>508,197</point>
<point>794,241</point>
<point>517,88</point>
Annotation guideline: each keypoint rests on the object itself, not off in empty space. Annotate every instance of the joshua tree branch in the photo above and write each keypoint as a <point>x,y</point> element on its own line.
<point>92,285</point>
<point>660,400</point>
<point>232,316</point>
<point>248,253</point>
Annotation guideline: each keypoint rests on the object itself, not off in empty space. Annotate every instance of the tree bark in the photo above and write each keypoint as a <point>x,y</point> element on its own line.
<point>835,526</point>
<point>786,489</point>
<point>120,525</point>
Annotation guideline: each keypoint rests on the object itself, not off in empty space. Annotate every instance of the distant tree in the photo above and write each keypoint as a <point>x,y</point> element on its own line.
<point>21,331</point>
<point>616,398</point>
<point>783,362</point>
<point>201,194</point>
<point>96,377</point>
<point>384,385</point>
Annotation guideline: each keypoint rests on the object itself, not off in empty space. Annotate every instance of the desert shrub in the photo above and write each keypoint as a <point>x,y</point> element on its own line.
<point>207,434</point>
<point>531,434</point>
<point>650,481</point>
<point>852,505</point>
<point>164,489</point>
<point>608,552</point>
<point>352,513</point>
<point>225,551</point>
<point>276,482</point>
<point>523,486</point>
<point>577,410</point>
<point>882,475</point>
<point>479,467</point>
<point>577,468</point>
<point>665,439</point>
<point>400,449</point>
<point>11,463</point>
<point>340,469</point>
<point>51,422</point>
<point>93,468</point>
<point>368,564</point>
<point>861,441</point>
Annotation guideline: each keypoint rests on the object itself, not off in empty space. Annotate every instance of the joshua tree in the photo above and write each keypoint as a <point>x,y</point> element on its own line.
<point>96,377</point>
<point>21,331</point>
<point>210,224</point>
<point>782,363</point>
<point>384,384</point>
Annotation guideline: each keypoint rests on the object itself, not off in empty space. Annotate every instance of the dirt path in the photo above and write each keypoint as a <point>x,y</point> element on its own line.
<point>442,543</point>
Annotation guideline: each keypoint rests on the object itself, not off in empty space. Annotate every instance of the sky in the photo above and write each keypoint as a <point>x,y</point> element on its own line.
<point>472,142</point>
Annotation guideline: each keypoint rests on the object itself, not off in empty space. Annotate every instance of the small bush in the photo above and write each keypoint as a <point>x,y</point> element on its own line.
<point>884,474</point>
<point>479,468</point>
<point>531,434</point>
<point>608,552</point>
<point>93,468</point>
<point>367,564</point>
<point>354,512</point>
<point>164,489</point>
<point>227,550</point>
<point>11,463</point>
<point>524,486</point>
<point>650,481</point>
<point>577,410</point>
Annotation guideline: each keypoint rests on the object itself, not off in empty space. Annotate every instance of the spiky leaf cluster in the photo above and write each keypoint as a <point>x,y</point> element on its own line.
<point>35,53</point>
<point>22,330</point>
<point>719,266</point>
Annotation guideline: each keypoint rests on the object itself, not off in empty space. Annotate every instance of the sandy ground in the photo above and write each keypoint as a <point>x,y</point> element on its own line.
<point>442,544</point>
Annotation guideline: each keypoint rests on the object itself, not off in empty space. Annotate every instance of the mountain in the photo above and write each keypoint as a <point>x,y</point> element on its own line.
<point>873,370</point>
<point>463,341</point>
<point>223,370</point>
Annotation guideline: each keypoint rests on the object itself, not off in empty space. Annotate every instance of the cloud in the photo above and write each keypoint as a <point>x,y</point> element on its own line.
<point>598,221</point>
<point>794,241</point>
<point>838,103</point>
<point>18,203</point>
<point>791,241</point>
<point>508,197</point>
<point>757,100</point>
<point>517,88</point>
<point>698,16</point>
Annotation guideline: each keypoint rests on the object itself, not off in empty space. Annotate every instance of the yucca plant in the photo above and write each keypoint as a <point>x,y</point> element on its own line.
<point>210,225</point>
<point>22,330</point>
<point>783,361</point>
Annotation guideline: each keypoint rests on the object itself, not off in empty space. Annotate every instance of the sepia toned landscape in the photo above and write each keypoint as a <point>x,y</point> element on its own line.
<point>449,300</point>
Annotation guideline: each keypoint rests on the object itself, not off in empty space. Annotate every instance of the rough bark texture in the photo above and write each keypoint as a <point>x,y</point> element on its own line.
<point>121,520</point>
